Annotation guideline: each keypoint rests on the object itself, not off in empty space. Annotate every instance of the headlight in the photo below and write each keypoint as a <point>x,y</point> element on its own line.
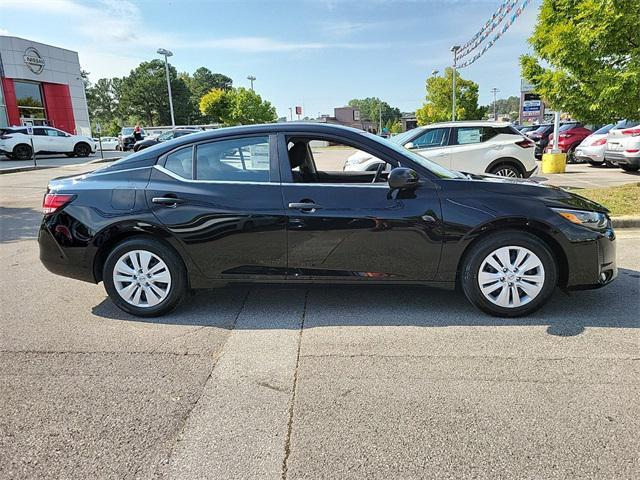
<point>592,220</point>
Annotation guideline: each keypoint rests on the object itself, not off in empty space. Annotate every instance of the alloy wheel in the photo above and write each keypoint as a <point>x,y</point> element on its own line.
<point>507,172</point>
<point>142,278</point>
<point>511,276</point>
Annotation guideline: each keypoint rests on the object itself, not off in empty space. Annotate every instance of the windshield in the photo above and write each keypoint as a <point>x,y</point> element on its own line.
<point>419,159</point>
<point>127,131</point>
<point>603,130</point>
<point>403,137</point>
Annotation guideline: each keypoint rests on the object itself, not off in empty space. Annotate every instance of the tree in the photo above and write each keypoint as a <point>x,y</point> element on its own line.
<point>237,106</point>
<point>370,110</point>
<point>587,58</point>
<point>200,83</point>
<point>439,103</point>
<point>144,92</point>
<point>505,106</point>
<point>101,101</point>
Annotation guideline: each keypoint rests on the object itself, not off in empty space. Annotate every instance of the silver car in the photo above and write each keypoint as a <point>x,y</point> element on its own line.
<point>592,148</point>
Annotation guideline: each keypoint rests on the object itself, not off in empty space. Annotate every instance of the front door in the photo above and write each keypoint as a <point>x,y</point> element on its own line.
<point>433,144</point>
<point>221,199</point>
<point>342,226</point>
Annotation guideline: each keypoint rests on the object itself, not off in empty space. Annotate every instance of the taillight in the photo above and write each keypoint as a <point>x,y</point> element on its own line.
<point>564,135</point>
<point>631,131</point>
<point>632,150</point>
<point>54,201</point>
<point>600,141</point>
<point>524,143</point>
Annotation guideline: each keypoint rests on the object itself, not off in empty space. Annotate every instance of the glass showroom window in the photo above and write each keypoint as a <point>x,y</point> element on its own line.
<point>30,103</point>
<point>4,122</point>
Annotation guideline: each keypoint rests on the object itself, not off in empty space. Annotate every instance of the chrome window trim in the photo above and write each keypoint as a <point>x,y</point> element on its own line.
<point>237,182</point>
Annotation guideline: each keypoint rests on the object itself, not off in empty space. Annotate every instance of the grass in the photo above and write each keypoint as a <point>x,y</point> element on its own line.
<point>621,200</point>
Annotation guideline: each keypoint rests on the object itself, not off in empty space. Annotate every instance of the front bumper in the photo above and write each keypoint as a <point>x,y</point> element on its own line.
<point>594,264</point>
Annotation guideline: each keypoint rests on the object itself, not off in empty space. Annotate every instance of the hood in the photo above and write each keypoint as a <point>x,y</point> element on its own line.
<point>551,195</point>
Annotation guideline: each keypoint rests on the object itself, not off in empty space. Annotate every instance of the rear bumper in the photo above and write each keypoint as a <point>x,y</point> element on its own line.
<point>620,158</point>
<point>531,172</point>
<point>67,262</point>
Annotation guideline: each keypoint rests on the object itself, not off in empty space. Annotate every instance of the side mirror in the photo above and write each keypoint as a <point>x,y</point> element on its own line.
<point>409,146</point>
<point>401,178</point>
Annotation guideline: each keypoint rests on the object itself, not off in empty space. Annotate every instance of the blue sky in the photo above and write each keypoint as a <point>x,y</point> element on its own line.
<point>316,53</point>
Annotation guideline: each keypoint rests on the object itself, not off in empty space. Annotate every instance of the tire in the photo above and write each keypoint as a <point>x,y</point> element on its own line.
<point>507,170</point>
<point>82,149</point>
<point>167,290</point>
<point>571,156</point>
<point>630,168</point>
<point>477,270</point>
<point>22,152</point>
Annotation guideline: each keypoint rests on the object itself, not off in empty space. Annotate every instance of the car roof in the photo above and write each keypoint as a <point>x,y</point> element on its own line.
<point>468,123</point>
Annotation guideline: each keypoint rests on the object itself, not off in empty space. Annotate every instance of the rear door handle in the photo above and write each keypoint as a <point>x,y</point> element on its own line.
<point>167,201</point>
<point>304,206</point>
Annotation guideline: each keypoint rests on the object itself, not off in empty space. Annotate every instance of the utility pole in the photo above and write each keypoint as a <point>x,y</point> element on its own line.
<point>291,114</point>
<point>251,78</point>
<point>494,90</point>
<point>167,54</point>
<point>455,50</point>
<point>380,117</point>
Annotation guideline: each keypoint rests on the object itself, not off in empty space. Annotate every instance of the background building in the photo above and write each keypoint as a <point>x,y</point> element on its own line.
<point>41,85</point>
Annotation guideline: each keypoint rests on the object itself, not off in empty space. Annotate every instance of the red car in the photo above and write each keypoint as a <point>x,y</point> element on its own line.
<point>571,135</point>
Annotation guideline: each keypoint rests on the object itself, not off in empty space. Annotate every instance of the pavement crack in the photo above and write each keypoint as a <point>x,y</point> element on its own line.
<point>204,384</point>
<point>287,443</point>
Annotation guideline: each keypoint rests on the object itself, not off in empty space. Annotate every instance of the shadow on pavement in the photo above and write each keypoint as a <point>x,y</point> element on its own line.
<point>566,315</point>
<point>19,223</point>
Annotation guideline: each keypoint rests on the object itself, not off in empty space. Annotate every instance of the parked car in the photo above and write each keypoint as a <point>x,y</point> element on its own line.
<point>525,129</point>
<point>473,147</point>
<point>249,204</point>
<point>108,143</point>
<point>126,139</point>
<point>170,135</point>
<point>15,143</point>
<point>623,145</point>
<point>592,148</point>
<point>570,135</point>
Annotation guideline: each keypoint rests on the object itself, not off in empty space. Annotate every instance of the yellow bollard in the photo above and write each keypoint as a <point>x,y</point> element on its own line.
<point>554,162</point>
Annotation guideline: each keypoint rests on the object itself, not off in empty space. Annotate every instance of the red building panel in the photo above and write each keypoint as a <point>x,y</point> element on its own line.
<point>10,101</point>
<point>59,108</point>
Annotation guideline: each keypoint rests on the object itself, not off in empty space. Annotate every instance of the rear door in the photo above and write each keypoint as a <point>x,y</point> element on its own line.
<point>469,153</point>
<point>221,199</point>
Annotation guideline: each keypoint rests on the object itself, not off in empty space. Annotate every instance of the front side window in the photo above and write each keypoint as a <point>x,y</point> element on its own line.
<point>435,137</point>
<point>180,162</point>
<point>241,159</point>
<point>468,135</point>
<point>40,132</point>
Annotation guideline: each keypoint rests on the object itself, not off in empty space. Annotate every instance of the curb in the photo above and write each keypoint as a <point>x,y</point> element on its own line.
<point>28,168</point>
<point>626,221</point>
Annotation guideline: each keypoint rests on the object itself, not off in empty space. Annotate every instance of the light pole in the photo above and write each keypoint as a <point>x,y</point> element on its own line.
<point>494,90</point>
<point>454,49</point>
<point>251,78</point>
<point>168,54</point>
<point>435,73</point>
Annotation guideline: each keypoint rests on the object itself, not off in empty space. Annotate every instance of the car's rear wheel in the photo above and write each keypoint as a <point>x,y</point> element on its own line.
<point>506,170</point>
<point>509,274</point>
<point>630,168</point>
<point>571,156</point>
<point>144,277</point>
<point>22,152</point>
<point>82,150</point>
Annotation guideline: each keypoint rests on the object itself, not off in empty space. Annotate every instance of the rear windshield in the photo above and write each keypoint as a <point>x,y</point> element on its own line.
<point>569,126</point>
<point>603,130</point>
<point>626,124</point>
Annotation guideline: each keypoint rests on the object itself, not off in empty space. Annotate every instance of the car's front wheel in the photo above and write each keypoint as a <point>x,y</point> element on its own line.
<point>509,274</point>
<point>144,277</point>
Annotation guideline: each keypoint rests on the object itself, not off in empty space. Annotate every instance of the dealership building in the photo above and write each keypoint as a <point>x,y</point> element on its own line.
<point>41,85</point>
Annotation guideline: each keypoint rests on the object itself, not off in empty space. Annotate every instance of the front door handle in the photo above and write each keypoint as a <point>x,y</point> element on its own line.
<point>305,206</point>
<point>167,201</point>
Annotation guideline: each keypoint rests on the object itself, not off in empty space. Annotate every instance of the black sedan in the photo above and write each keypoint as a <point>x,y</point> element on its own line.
<point>249,204</point>
<point>170,135</point>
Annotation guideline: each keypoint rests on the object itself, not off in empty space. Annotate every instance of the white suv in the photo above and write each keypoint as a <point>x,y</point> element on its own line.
<point>623,145</point>
<point>474,147</point>
<point>15,143</point>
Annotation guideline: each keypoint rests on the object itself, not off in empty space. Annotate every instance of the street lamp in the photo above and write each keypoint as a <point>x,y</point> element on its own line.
<point>251,78</point>
<point>167,54</point>
<point>435,72</point>
<point>495,113</point>
<point>455,50</point>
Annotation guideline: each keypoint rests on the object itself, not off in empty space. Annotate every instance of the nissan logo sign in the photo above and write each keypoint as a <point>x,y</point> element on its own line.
<point>33,60</point>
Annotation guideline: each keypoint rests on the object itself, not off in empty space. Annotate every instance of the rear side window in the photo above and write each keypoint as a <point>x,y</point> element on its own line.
<point>603,130</point>
<point>238,160</point>
<point>180,162</point>
<point>468,135</point>
<point>626,124</point>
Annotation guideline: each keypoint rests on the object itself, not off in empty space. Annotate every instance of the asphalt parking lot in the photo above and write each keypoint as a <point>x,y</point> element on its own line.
<point>309,382</point>
<point>57,160</point>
